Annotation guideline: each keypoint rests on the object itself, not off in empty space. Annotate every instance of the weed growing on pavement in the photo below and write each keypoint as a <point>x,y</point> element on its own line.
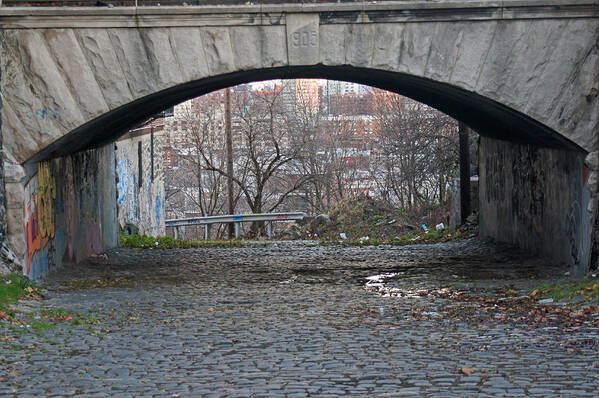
<point>586,291</point>
<point>12,288</point>
<point>167,242</point>
<point>39,327</point>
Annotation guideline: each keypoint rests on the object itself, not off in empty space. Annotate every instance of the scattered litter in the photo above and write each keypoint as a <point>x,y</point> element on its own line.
<point>343,236</point>
<point>440,226</point>
<point>567,273</point>
<point>8,282</point>
<point>424,228</point>
<point>364,239</point>
<point>102,256</point>
<point>546,301</point>
<point>382,310</point>
<point>431,314</point>
<point>67,317</point>
<point>377,280</point>
<point>499,315</point>
<point>415,239</point>
<point>466,371</point>
<point>391,222</point>
<point>288,281</point>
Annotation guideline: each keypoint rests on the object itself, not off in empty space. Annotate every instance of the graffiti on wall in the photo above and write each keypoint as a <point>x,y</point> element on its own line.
<point>45,200</point>
<point>140,199</point>
<point>38,219</point>
<point>124,175</point>
<point>33,237</point>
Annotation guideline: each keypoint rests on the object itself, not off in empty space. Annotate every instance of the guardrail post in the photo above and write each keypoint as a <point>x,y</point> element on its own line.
<point>269,229</point>
<point>206,232</point>
<point>176,230</point>
<point>237,230</point>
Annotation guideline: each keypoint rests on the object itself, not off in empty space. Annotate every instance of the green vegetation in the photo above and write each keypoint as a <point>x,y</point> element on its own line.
<point>167,242</point>
<point>366,221</point>
<point>585,291</point>
<point>61,315</point>
<point>402,213</point>
<point>12,288</point>
<point>39,327</point>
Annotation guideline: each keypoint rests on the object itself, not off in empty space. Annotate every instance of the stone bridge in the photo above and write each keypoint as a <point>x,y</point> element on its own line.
<point>523,73</point>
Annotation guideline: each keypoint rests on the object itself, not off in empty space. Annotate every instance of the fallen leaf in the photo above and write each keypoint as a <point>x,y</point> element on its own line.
<point>534,293</point>
<point>466,371</point>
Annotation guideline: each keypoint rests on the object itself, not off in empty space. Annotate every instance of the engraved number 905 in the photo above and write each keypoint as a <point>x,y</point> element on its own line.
<point>304,39</point>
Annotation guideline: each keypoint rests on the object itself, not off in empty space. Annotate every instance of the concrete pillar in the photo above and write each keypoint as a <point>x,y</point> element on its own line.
<point>14,176</point>
<point>465,199</point>
<point>592,163</point>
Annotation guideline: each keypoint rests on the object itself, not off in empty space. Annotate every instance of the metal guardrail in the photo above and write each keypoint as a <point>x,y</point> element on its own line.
<point>206,221</point>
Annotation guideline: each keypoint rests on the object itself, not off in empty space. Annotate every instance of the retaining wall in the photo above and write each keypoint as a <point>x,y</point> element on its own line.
<point>536,198</point>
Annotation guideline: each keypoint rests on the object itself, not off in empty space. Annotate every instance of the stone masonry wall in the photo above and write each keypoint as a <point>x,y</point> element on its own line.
<point>536,198</point>
<point>69,210</point>
<point>141,200</point>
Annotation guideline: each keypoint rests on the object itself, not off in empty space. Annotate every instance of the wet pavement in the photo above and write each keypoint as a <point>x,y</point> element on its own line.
<point>292,319</point>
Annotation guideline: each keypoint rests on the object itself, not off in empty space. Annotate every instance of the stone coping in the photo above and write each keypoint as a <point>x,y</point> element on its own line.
<point>274,14</point>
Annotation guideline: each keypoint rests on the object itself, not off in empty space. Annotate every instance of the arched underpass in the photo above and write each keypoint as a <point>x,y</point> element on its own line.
<point>525,203</point>
<point>75,84</point>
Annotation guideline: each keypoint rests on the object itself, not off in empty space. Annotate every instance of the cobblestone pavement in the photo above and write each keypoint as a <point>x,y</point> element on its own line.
<point>289,320</point>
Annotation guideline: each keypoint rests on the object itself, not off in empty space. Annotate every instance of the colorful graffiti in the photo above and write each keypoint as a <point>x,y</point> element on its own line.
<point>45,201</point>
<point>33,237</point>
<point>38,218</point>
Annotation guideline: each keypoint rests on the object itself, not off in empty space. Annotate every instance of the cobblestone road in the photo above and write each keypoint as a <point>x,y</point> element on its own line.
<point>289,320</point>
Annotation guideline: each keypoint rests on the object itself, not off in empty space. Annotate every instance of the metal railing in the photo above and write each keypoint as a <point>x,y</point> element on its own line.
<point>206,221</point>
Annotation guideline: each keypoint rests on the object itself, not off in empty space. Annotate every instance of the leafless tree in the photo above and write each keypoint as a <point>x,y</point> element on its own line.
<point>267,141</point>
<point>417,152</point>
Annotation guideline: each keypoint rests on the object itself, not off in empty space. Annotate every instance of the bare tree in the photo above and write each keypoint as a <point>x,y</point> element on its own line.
<point>199,145</point>
<point>417,151</point>
<point>267,143</point>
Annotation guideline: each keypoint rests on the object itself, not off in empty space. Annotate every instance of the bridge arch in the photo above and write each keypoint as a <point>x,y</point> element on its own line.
<point>525,72</point>
<point>484,115</point>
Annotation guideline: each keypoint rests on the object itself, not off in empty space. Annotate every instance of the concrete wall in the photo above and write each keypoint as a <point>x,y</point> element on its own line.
<point>141,201</point>
<point>69,210</point>
<point>536,198</point>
